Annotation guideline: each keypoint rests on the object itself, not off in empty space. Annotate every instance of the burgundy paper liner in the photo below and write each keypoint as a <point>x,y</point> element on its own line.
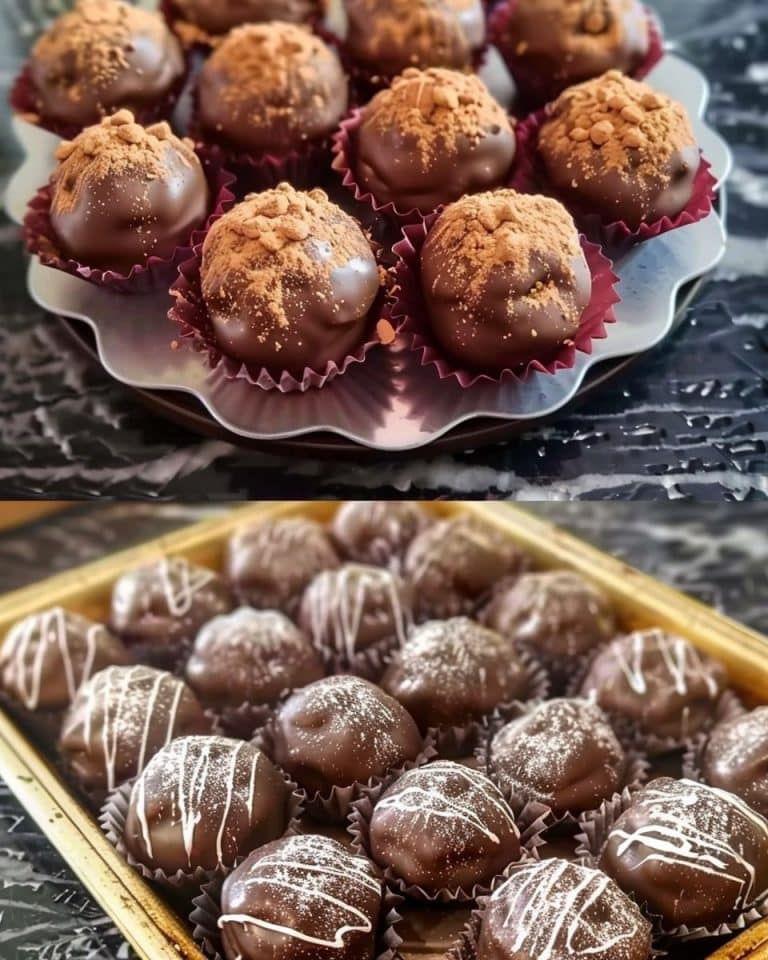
<point>242,722</point>
<point>112,820</point>
<point>728,708</point>
<point>22,102</point>
<point>594,833</point>
<point>409,315</point>
<point>207,910</point>
<point>191,318</point>
<point>530,177</point>
<point>155,274</point>
<point>334,806</point>
<point>531,822</point>
<point>369,663</point>
<point>535,88</point>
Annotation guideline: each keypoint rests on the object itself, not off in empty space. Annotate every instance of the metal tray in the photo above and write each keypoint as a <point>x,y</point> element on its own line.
<point>389,404</point>
<point>144,918</point>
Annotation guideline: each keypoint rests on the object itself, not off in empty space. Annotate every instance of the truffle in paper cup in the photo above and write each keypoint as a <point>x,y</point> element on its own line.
<point>207,911</point>
<point>729,707</point>
<point>409,313</point>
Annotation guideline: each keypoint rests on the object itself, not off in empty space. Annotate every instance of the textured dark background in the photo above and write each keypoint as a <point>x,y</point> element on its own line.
<point>718,553</point>
<point>690,419</point>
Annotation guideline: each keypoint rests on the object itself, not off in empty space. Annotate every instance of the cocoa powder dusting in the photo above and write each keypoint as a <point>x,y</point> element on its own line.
<point>437,109</point>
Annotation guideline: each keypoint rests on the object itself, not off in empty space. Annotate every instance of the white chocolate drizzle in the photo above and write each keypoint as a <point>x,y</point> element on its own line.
<point>178,580</point>
<point>680,659</point>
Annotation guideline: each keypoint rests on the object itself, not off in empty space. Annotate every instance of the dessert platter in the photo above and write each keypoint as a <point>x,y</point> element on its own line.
<point>599,190</point>
<point>305,730</point>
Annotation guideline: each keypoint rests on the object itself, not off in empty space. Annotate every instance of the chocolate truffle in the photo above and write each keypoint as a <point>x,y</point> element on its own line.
<point>557,615</point>
<point>204,20</point>
<point>46,658</point>
<point>100,56</point>
<point>693,854</point>
<point>354,610</point>
<point>270,563</point>
<point>556,43</point>
<point>378,531</point>
<point>120,719</point>
<point>451,672</point>
<point>203,802</point>
<point>562,753</point>
<point>616,148</point>
<point>504,280</point>
<point>158,608</point>
<point>735,758</point>
<point>561,911</point>
<point>121,193</point>
<point>443,827</point>
<point>453,565</point>
<point>340,731</point>
<point>288,280</point>
<point>250,657</point>
<point>657,681</point>
<point>386,36</point>
<point>299,898</point>
<point>270,88</point>
<point>431,137</point>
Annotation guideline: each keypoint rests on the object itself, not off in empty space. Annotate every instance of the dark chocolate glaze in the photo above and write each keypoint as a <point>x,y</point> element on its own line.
<point>736,758</point>
<point>202,802</point>
<point>377,531</point>
<point>217,17</point>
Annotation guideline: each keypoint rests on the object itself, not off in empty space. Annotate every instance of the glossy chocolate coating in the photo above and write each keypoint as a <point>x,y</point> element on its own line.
<point>560,42</point>
<point>562,753</point>
<point>736,758</point>
<point>340,731</point>
<point>386,36</point>
<point>301,898</point>
<point>269,88</point>
<point>250,656</point>
<point>270,564</point>
<point>453,565</point>
<point>353,609</point>
<point>217,17</point>
<point>657,681</point>
<point>202,802</point>
<point>101,56</point>
<point>451,672</point>
<point>157,609</point>
<point>377,531</point>
<point>417,154</point>
<point>693,854</point>
<point>443,826</point>
<point>45,658</point>
<point>563,911</point>
<point>120,719</point>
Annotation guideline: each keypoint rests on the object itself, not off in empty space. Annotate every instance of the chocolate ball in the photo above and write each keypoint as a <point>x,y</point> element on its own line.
<point>46,657</point>
<point>288,280</point>
<point>693,854</point>
<point>617,148</point>
<point>735,758</point>
<point>342,730</point>
<point>453,565</point>
<point>452,672</point>
<point>658,682</point>
<point>552,44</point>
<point>504,280</point>
<point>561,911</point>
<point>386,36</point>
<point>301,898</point>
<point>203,802</point>
<point>378,531</point>
<point>121,193</point>
<point>270,88</point>
<point>100,56</point>
<point>158,608</point>
<point>250,656</point>
<point>562,753</point>
<point>120,719</point>
<point>557,615</point>
<point>443,827</point>
<point>431,137</point>
<point>353,611</point>
<point>270,563</point>
<point>208,19</point>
